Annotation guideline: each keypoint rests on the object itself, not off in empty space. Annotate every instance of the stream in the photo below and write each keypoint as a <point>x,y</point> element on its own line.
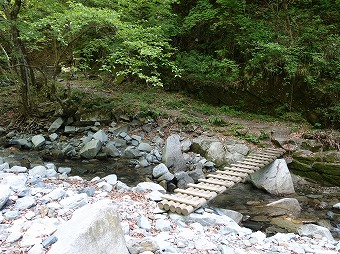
<point>316,200</point>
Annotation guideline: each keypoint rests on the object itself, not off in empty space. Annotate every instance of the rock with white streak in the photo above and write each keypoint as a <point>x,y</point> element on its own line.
<point>315,231</point>
<point>94,228</point>
<point>274,178</point>
<point>289,206</point>
<point>75,201</point>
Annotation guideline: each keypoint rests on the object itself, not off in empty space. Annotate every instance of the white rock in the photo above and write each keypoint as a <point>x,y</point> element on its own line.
<point>163,225</point>
<point>16,169</point>
<point>111,179</point>
<point>101,136</point>
<point>65,170</point>
<point>38,171</point>
<point>285,206</point>
<point>38,141</point>
<point>274,178</point>
<point>75,201</point>
<point>314,230</point>
<point>154,195</point>
<point>25,203</point>
<point>36,249</point>
<point>5,192</point>
<point>30,215</point>
<point>105,186</point>
<point>144,223</point>
<point>16,182</point>
<point>337,206</point>
<point>4,166</point>
<point>94,228</point>
<point>204,244</point>
<point>56,194</point>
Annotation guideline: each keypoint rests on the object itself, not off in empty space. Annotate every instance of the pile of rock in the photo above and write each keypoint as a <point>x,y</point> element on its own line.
<point>45,211</point>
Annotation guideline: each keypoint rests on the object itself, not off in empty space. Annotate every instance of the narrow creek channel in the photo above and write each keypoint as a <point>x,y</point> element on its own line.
<point>316,200</point>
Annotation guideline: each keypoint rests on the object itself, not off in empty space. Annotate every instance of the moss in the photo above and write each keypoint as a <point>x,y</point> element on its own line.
<point>331,179</point>
<point>327,168</point>
<point>300,166</point>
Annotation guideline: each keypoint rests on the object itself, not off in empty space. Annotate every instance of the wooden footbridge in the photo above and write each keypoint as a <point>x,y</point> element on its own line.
<point>188,200</point>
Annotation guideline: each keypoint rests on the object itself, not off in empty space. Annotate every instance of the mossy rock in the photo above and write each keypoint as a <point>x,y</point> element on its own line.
<point>300,166</point>
<point>331,179</point>
<point>311,175</point>
<point>327,168</point>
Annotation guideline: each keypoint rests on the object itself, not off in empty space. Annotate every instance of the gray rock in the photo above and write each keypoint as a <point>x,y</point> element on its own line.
<point>90,191</point>
<point>236,216</point>
<point>38,141</point>
<point>94,228</point>
<point>145,147</point>
<point>111,150</point>
<point>144,223</point>
<point>238,148</point>
<point>160,170</point>
<point>185,145</point>
<point>197,173</point>
<point>315,231</point>
<point>167,177</point>
<point>53,136</point>
<point>183,179</point>
<point>4,166</point>
<point>25,203</point>
<point>91,149</point>
<point>24,143</point>
<point>104,186</point>
<point>131,152</point>
<point>138,246</point>
<point>101,136</point>
<point>17,169</point>
<point>145,186</point>
<point>56,125</point>
<point>137,138</point>
<point>172,154</point>
<point>274,178</point>
<point>49,241</point>
<point>217,153</point>
<point>75,201</point>
<point>16,182</point>
<point>70,129</point>
<point>5,192</point>
<point>163,225</point>
<point>65,170</point>
<point>283,206</point>
<point>111,179</point>
<point>143,162</point>
<point>38,171</point>
<point>56,194</point>
<point>11,215</point>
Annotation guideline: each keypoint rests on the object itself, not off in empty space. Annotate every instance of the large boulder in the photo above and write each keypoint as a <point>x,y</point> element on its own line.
<point>172,154</point>
<point>285,206</point>
<point>315,231</point>
<point>91,149</point>
<point>274,178</point>
<point>217,153</point>
<point>94,228</point>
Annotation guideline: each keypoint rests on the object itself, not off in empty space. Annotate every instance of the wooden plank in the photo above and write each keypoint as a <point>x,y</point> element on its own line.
<point>232,173</point>
<point>234,179</point>
<point>182,200</point>
<point>242,170</point>
<point>272,157</point>
<point>255,157</point>
<point>238,165</point>
<point>256,160</point>
<point>211,194</point>
<point>217,182</point>
<point>257,164</point>
<point>194,193</point>
<point>203,186</point>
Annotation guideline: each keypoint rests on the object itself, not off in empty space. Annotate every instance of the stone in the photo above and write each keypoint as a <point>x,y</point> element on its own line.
<point>131,152</point>
<point>65,170</point>
<point>238,148</point>
<point>5,192</point>
<point>25,203</point>
<point>160,170</point>
<point>111,179</point>
<point>4,166</point>
<point>53,137</point>
<point>145,147</point>
<point>11,215</point>
<point>75,201</point>
<point>185,145</point>
<point>183,179</point>
<point>167,177</point>
<point>172,154</point>
<point>236,216</point>
<point>217,153</point>
<point>104,186</point>
<point>337,206</point>
<point>163,225</point>
<point>38,171</point>
<point>137,246</point>
<point>16,182</point>
<point>315,231</point>
<point>284,206</point>
<point>197,173</point>
<point>143,162</point>
<point>274,178</point>
<point>111,150</point>
<point>70,129</point>
<point>17,169</point>
<point>91,149</point>
<point>38,141</point>
<point>49,241</point>
<point>94,228</point>
<point>145,186</point>
<point>144,223</point>
<point>56,194</point>
<point>101,136</point>
<point>56,125</point>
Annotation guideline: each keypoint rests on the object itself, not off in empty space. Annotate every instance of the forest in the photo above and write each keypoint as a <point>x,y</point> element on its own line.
<point>271,56</point>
